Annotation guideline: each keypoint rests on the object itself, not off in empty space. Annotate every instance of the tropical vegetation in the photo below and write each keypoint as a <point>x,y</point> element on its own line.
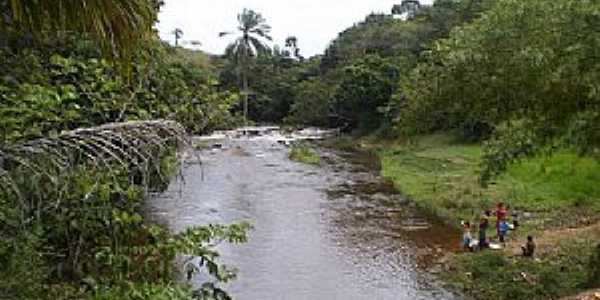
<point>253,30</point>
<point>467,102</point>
<point>86,134</point>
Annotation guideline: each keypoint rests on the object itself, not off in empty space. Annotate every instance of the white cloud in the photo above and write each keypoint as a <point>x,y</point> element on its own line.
<point>314,22</point>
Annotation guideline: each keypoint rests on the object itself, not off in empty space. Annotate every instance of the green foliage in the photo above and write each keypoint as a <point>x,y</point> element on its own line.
<point>22,266</point>
<point>386,36</point>
<point>273,78</point>
<point>70,212</point>
<point>517,62</point>
<point>253,30</point>
<point>276,83</point>
<point>442,174</point>
<point>358,69</point>
<point>364,91</point>
<point>493,275</point>
<point>142,292</point>
<point>312,103</point>
<point>594,268</point>
<point>305,155</point>
<point>351,84</point>
<point>118,26</point>
<point>43,92</point>
<point>510,143</point>
<point>94,235</point>
<point>555,180</point>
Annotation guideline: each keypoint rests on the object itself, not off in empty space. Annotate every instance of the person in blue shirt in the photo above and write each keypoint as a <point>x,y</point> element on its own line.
<point>503,230</point>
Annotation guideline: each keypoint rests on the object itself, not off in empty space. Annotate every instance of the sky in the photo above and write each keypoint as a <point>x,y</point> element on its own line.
<point>314,22</point>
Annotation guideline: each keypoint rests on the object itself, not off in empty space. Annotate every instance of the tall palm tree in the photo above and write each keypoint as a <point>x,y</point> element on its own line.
<point>178,33</point>
<point>117,25</point>
<point>252,32</point>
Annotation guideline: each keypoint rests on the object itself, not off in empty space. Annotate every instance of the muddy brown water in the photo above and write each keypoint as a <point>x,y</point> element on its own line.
<point>334,231</point>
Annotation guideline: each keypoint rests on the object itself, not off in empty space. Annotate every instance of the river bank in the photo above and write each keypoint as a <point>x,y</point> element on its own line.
<point>332,230</point>
<point>440,174</point>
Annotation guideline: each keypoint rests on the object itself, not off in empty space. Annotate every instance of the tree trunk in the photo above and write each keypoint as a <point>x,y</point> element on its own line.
<point>245,93</point>
<point>245,61</point>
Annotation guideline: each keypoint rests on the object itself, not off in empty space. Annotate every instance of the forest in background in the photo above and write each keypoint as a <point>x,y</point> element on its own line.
<point>466,101</point>
<point>521,76</point>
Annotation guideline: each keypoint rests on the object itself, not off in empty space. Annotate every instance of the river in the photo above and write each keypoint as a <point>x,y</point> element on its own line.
<point>334,231</point>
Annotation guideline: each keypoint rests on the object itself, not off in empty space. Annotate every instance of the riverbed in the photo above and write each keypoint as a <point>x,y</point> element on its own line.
<point>333,231</point>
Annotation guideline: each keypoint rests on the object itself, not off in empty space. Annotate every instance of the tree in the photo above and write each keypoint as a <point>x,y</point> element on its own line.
<point>291,43</point>
<point>525,72</point>
<point>408,7</point>
<point>364,91</point>
<point>253,30</point>
<point>178,33</point>
<point>117,25</point>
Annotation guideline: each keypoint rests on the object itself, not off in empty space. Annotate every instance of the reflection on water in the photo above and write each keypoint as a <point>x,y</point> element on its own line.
<point>337,231</point>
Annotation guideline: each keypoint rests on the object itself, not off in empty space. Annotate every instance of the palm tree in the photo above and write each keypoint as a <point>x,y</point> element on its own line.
<point>252,30</point>
<point>178,33</point>
<point>117,25</point>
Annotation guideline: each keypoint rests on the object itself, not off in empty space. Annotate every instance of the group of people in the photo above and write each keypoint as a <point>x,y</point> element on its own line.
<point>502,229</point>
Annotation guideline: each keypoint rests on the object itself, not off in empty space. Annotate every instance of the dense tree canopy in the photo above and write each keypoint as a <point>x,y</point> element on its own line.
<point>71,187</point>
<point>521,77</point>
<point>526,64</point>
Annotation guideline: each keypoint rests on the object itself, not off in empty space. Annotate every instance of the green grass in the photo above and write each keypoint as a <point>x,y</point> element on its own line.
<point>566,270</point>
<point>305,155</point>
<point>442,175</point>
<point>563,179</point>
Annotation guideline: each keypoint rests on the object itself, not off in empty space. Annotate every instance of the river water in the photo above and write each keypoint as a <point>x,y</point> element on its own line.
<point>334,231</point>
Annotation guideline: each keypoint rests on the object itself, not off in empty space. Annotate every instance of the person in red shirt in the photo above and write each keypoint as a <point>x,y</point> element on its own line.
<point>501,213</point>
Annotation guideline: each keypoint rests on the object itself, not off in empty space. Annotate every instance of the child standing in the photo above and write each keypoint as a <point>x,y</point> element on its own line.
<point>503,230</point>
<point>484,224</point>
<point>467,238</point>
<point>501,213</point>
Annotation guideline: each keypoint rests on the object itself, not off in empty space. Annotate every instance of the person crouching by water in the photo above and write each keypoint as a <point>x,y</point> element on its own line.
<point>529,248</point>
<point>484,224</point>
<point>467,238</point>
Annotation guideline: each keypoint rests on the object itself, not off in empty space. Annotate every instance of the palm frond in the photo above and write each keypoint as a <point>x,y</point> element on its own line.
<point>132,146</point>
<point>253,28</point>
<point>117,25</point>
<point>258,47</point>
<point>261,33</point>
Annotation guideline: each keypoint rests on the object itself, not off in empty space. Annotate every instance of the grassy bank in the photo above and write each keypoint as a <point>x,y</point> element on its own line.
<point>441,174</point>
<point>304,154</point>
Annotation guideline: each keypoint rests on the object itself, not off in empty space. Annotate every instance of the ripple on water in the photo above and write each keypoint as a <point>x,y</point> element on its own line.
<point>338,231</point>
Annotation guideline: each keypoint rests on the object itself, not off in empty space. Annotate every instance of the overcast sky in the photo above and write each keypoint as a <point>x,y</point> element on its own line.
<point>314,22</point>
